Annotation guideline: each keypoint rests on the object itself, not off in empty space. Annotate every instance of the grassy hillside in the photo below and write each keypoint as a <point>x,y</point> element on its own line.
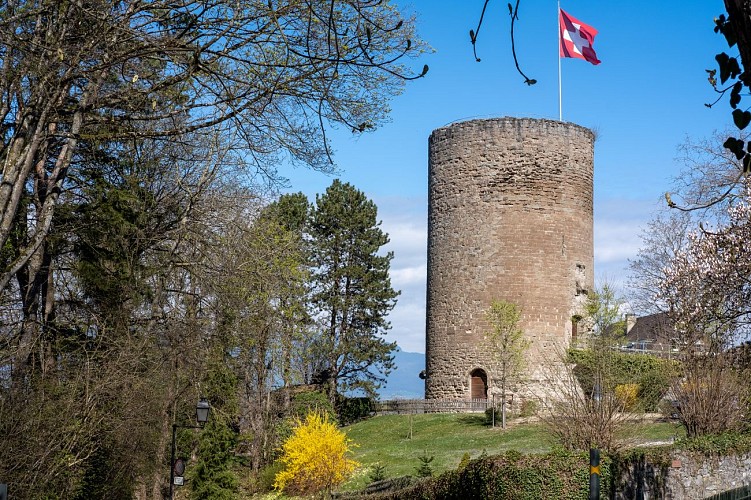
<point>386,440</point>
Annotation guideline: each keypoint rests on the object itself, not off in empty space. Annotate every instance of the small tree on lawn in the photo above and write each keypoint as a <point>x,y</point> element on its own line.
<point>507,345</point>
<point>315,457</point>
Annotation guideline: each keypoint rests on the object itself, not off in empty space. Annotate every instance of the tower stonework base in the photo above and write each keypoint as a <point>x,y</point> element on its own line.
<point>509,218</point>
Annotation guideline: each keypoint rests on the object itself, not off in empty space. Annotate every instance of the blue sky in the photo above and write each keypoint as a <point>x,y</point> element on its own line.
<point>644,100</point>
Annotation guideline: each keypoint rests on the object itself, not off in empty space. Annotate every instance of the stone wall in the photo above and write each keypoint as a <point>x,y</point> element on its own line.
<point>509,217</point>
<point>687,477</point>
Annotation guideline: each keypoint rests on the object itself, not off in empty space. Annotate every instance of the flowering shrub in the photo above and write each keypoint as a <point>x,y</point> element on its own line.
<point>707,288</point>
<point>314,457</point>
<point>627,394</point>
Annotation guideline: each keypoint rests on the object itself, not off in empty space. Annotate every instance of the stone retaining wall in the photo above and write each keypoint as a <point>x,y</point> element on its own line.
<point>687,477</point>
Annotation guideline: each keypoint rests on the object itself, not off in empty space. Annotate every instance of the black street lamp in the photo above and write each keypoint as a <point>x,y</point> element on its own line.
<point>202,412</point>
<point>203,408</point>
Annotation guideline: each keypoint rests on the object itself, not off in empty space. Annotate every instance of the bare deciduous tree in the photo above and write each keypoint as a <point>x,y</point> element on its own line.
<point>268,76</point>
<point>578,419</point>
<point>584,417</point>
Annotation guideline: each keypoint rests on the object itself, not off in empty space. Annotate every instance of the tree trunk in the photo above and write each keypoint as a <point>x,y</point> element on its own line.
<point>503,406</point>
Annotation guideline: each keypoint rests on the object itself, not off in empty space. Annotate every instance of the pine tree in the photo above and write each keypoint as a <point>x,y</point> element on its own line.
<point>352,290</point>
<point>212,476</point>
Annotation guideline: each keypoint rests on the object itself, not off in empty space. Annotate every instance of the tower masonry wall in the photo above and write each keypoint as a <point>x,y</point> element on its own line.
<point>510,218</point>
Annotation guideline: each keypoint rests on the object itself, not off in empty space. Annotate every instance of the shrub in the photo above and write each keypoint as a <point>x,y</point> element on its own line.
<point>311,401</point>
<point>424,469</point>
<point>490,412</point>
<point>314,457</point>
<point>558,474</point>
<point>529,408</point>
<point>577,419</point>
<point>351,410</point>
<point>712,398</point>
<point>653,385</point>
<point>653,375</point>
<point>627,394</point>
<point>266,476</point>
<point>301,405</point>
<point>378,473</point>
<point>464,461</point>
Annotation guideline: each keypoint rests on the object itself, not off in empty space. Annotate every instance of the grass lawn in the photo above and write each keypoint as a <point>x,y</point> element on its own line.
<point>386,440</point>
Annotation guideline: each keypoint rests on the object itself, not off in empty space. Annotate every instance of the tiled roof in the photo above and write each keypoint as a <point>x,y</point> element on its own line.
<point>655,327</point>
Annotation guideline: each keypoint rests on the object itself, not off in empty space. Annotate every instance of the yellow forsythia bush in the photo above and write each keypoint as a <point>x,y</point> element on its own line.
<point>314,457</point>
<point>627,395</point>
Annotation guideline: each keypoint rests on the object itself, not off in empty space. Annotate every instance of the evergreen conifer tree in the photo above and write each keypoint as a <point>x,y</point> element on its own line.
<point>352,291</point>
<point>213,477</point>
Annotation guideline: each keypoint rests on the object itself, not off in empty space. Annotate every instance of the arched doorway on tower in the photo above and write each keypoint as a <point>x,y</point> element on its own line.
<point>478,385</point>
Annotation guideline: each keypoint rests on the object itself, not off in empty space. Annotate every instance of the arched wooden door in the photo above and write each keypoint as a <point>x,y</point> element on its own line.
<point>478,384</point>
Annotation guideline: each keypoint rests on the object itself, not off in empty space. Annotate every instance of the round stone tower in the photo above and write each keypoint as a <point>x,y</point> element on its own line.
<point>509,218</point>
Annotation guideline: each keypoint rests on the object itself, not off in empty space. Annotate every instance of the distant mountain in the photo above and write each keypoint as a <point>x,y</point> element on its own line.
<point>404,381</point>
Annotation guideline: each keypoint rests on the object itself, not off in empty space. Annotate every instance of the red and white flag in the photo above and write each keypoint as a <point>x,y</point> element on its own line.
<point>576,38</point>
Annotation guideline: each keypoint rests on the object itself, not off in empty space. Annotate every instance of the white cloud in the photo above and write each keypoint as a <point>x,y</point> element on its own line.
<point>405,220</point>
<point>408,276</point>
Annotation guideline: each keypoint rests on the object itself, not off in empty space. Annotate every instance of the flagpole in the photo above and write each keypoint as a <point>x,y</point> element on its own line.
<point>560,103</point>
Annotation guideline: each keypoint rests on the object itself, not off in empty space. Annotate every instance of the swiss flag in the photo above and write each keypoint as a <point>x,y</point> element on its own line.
<point>576,38</point>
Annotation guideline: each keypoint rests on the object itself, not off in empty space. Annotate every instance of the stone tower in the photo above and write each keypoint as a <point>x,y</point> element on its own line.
<point>509,218</point>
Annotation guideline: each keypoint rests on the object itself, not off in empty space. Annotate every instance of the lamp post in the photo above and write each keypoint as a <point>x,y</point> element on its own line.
<point>202,416</point>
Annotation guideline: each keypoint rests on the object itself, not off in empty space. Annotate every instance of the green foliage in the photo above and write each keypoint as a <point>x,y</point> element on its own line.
<point>493,414</point>
<point>311,401</point>
<point>301,405</point>
<point>630,477</point>
<point>451,436</point>
<point>652,374</point>
<point>424,469</point>
<point>128,278</point>
<point>351,289</point>
<point>657,455</point>
<point>266,476</point>
<point>507,346</point>
<point>603,317</point>
<point>384,440</point>
<point>117,221</point>
<point>103,478</point>
<point>464,461</point>
<point>529,408</point>
<point>728,443</point>
<point>213,475</point>
<point>351,410</point>
<point>558,474</point>
<point>291,211</point>
<point>378,473</point>
<point>506,339</point>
